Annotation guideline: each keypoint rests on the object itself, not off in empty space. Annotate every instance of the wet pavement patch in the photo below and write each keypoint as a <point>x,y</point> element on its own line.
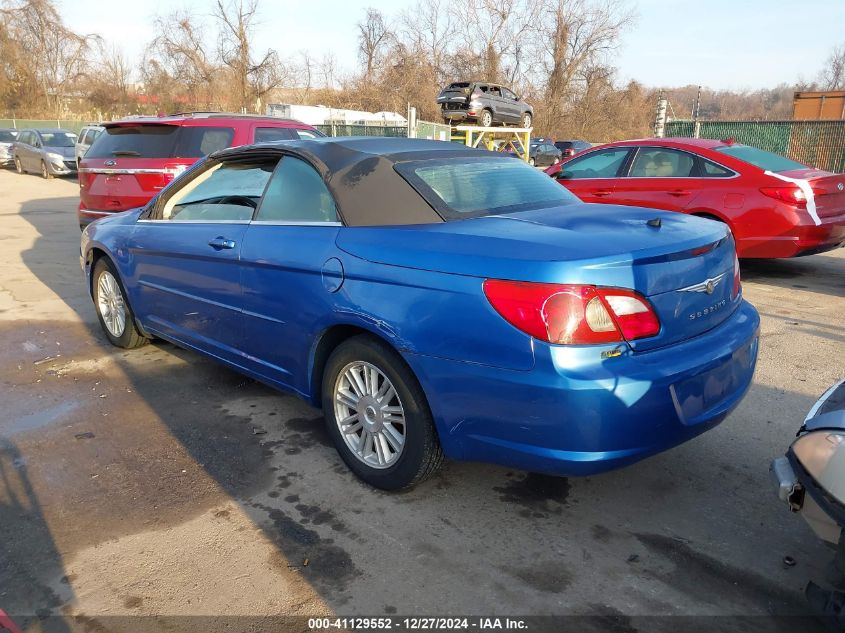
<point>715,582</point>
<point>545,576</point>
<point>539,495</point>
<point>328,566</point>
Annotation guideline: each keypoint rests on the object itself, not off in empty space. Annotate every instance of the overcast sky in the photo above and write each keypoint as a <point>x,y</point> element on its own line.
<point>718,43</point>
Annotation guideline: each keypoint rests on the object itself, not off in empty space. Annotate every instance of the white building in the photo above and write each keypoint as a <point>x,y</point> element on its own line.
<point>321,115</point>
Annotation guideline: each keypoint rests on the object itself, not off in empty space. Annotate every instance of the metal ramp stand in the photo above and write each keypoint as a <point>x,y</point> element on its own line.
<point>477,136</point>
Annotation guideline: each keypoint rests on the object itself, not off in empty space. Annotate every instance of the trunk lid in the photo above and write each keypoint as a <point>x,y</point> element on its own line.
<point>457,93</point>
<point>602,245</point>
<point>828,190</point>
<point>829,193</point>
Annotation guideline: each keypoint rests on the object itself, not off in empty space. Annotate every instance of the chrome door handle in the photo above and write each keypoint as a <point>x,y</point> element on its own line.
<point>221,242</point>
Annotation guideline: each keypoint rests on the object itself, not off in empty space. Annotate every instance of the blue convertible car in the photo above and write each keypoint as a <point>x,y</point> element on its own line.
<point>436,299</point>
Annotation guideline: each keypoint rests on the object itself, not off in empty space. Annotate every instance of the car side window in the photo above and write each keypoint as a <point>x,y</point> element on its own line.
<point>306,134</point>
<point>198,141</point>
<point>603,164</point>
<point>224,192</point>
<point>712,170</point>
<point>660,162</point>
<point>297,193</point>
<point>272,134</point>
<point>82,135</point>
<point>509,95</point>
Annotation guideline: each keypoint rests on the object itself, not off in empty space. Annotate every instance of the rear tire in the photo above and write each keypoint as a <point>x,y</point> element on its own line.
<point>113,311</point>
<point>531,161</point>
<point>45,173</point>
<point>486,118</point>
<point>379,448</point>
<point>18,166</point>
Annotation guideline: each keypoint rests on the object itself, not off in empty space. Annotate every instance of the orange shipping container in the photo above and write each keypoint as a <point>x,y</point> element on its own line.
<point>812,106</point>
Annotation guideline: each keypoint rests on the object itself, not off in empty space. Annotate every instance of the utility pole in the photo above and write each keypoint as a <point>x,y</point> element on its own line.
<point>660,116</point>
<point>696,109</point>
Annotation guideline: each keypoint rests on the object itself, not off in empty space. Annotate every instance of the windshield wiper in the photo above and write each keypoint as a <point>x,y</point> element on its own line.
<point>125,152</point>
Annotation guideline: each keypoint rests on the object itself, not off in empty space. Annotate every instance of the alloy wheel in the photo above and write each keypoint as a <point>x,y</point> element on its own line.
<point>111,305</point>
<point>369,415</point>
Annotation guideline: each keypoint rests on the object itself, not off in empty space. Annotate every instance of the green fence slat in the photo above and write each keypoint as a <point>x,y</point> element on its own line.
<point>819,144</point>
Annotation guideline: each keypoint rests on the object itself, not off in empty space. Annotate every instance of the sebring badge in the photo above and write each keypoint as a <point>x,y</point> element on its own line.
<point>708,285</point>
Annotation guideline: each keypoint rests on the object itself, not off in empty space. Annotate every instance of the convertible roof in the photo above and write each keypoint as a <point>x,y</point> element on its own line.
<point>359,173</point>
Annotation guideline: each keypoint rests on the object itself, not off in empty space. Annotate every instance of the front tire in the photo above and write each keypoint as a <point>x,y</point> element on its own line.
<point>45,173</point>
<point>531,161</point>
<point>527,120</point>
<point>377,415</point>
<point>113,311</point>
<point>18,166</point>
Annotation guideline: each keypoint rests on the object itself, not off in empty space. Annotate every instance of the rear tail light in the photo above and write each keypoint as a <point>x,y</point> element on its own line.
<point>569,152</point>
<point>790,194</point>
<point>571,314</point>
<point>737,287</point>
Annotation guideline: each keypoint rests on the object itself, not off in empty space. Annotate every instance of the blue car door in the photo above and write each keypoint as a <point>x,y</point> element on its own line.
<point>186,252</point>
<point>289,272</point>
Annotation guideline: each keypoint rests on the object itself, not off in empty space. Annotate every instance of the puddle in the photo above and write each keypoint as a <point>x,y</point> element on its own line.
<point>38,419</point>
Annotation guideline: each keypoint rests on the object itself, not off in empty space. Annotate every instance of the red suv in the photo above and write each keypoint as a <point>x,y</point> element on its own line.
<point>134,159</point>
<point>775,207</point>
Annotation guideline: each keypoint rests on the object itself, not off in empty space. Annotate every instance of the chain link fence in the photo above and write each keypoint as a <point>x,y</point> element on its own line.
<point>21,124</point>
<point>340,129</point>
<point>820,144</point>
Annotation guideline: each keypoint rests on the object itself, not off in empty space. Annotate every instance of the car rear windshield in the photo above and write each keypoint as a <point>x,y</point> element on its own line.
<point>7,136</point>
<point>160,141</point>
<point>475,187</point>
<point>459,85</point>
<point>760,158</point>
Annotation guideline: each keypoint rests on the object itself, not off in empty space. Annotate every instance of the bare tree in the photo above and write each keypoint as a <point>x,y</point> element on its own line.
<point>253,78</point>
<point>178,62</point>
<point>576,34</point>
<point>832,76</point>
<point>373,36</point>
<point>58,56</point>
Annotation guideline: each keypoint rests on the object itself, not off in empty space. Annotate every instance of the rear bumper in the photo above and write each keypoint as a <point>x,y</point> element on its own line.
<point>86,216</point>
<point>457,115</point>
<point>577,414</point>
<point>800,240</point>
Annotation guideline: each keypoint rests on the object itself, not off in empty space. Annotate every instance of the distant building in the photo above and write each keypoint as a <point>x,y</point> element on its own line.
<point>322,115</point>
<point>811,106</point>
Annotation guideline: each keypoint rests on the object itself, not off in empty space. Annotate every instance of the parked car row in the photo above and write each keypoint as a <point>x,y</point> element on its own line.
<point>774,206</point>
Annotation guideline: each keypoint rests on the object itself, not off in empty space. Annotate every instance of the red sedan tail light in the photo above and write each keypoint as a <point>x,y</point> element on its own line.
<point>573,314</point>
<point>790,194</point>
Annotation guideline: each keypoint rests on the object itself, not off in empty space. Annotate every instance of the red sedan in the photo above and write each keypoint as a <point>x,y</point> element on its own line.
<point>775,207</point>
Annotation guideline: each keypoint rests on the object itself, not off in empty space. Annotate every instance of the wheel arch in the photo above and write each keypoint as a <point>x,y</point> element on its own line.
<point>329,340</point>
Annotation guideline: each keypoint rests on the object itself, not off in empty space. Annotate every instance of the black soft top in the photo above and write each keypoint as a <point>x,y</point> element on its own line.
<point>359,173</point>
